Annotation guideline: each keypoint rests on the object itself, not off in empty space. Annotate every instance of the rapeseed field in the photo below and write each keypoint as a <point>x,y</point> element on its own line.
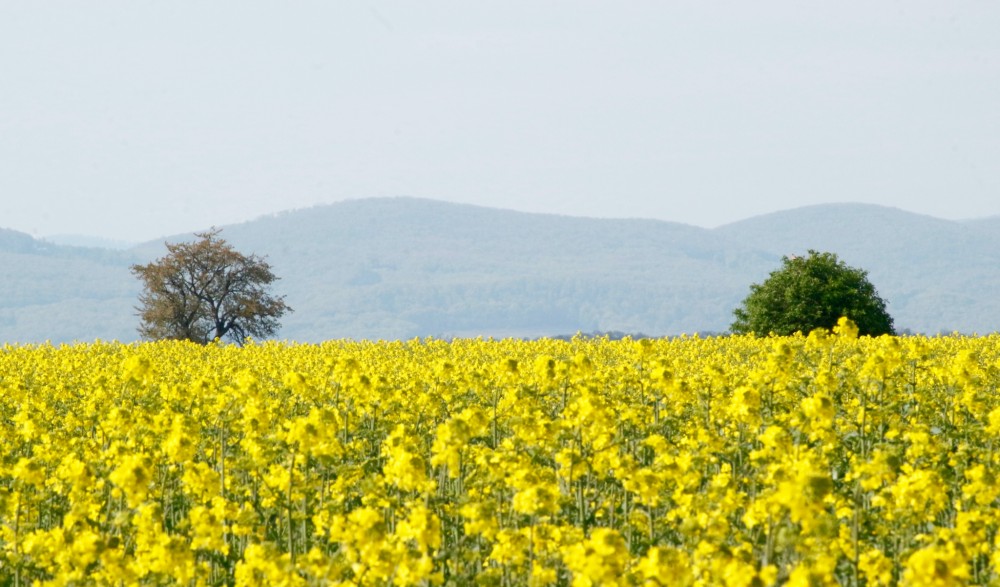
<point>824,459</point>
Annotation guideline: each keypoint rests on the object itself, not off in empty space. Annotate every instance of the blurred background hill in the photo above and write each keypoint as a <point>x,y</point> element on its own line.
<point>404,267</point>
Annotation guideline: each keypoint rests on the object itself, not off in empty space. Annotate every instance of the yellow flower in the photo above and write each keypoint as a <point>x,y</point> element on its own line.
<point>29,471</point>
<point>182,443</point>
<point>875,567</point>
<point>404,467</point>
<point>935,566</point>
<point>202,481</point>
<point>137,367</point>
<point>846,328</point>
<point>134,476</point>
<point>664,565</point>
<point>208,525</point>
<point>421,526</point>
<point>601,559</point>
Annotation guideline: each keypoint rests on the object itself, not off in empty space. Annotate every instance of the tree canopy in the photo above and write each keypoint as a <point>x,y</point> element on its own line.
<point>206,290</point>
<point>812,292</point>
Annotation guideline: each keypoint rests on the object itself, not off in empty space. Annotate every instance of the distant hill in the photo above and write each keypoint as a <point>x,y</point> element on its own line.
<point>938,275</point>
<point>402,267</point>
<point>76,240</point>
<point>63,293</point>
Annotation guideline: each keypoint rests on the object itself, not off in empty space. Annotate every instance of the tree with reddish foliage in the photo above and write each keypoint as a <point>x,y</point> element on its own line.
<point>206,290</point>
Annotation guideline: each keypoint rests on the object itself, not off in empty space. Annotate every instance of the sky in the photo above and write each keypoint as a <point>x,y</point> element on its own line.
<point>136,119</point>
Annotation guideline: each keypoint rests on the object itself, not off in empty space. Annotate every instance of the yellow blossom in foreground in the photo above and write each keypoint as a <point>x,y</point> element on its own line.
<point>827,459</point>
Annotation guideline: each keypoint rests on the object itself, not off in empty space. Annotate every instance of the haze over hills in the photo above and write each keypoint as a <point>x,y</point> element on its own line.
<point>403,267</point>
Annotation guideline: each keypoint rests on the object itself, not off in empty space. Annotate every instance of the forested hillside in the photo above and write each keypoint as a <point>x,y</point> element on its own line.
<point>404,267</point>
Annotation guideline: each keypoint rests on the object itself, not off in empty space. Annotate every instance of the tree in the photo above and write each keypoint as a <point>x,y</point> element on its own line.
<point>206,290</point>
<point>812,292</point>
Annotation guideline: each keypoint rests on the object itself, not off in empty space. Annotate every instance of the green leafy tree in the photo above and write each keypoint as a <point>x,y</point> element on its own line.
<point>206,290</point>
<point>812,292</point>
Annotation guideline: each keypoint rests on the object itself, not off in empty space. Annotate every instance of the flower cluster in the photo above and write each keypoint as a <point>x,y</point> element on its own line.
<point>825,459</point>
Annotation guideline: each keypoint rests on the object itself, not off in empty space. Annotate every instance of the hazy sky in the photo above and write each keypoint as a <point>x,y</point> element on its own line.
<point>135,119</point>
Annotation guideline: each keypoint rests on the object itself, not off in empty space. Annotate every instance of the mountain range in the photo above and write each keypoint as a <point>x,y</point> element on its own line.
<point>398,268</point>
